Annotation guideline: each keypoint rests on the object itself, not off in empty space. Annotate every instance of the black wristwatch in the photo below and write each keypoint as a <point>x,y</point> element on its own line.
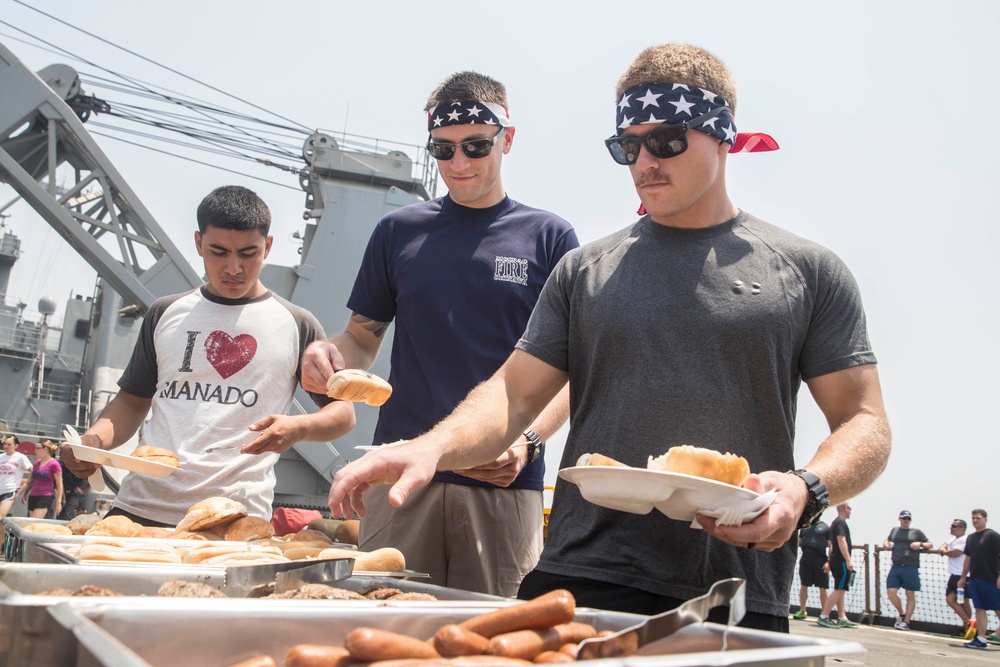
<point>535,445</point>
<point>816,503</point>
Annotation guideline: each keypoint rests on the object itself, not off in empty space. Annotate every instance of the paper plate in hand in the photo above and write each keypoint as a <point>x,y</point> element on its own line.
<point>640,491</point>
<point>130,463</point>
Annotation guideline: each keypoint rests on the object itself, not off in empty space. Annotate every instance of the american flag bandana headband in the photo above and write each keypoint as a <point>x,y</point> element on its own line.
<point>467,113</point>
<point>675,103</point>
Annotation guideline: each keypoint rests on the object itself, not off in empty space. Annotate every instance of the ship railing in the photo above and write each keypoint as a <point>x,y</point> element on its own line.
<point>868,601</point>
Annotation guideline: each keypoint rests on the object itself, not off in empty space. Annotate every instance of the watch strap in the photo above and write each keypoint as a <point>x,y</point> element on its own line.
<point>535,445</point>
<point>817,500</point>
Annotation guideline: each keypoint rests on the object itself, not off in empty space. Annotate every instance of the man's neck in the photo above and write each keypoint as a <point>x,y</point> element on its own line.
<point>708,212</point>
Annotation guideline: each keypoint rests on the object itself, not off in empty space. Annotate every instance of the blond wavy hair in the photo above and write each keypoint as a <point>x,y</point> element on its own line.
<point>49,445</point>
<point>679,63</point>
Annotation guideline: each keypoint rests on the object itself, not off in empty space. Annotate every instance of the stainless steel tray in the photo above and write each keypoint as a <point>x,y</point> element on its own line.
<point>145,636</point>
<point>30,636</point>
<point>20,545</point>
<point>61,552</point>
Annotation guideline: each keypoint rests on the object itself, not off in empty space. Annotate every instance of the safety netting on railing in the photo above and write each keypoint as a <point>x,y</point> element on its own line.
<point>869,597</point>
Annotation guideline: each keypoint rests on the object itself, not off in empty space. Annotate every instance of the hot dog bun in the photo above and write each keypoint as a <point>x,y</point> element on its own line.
<point>48,529</point>
<point>358,386</point>
<point>386,559</point>
<point>598,460</point>
<point>708,463</point>
<point>142,553</point>
<point>157,455</point>
<point>115,526</point>
<point>211,512</point>
<point>248,528</point>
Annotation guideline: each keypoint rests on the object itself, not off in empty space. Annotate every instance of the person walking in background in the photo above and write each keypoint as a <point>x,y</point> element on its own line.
<point>814,565</point>
<point>981,570</point>
<point>13,467</point>
<point>44,491</point>
<point>841,565</point>
<point>75,488</point>
<point>459,275</point>
<point>906,544</point>
<point>954,549</point>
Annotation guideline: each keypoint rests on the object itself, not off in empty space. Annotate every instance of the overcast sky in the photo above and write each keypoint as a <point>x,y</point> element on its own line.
<point>888,158</point>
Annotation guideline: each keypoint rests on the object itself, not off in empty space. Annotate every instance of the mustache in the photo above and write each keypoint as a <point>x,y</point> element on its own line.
<point>651,177</point>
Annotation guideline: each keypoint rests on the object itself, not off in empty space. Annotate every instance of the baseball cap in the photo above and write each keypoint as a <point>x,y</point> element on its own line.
<point>905,514</point>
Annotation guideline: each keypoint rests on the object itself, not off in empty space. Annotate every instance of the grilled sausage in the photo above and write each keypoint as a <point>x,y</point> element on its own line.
<point>526,644</point>
<point>451,640</point>
<point>371,644</point>
<point>553,608</point>
<point>312,655</point>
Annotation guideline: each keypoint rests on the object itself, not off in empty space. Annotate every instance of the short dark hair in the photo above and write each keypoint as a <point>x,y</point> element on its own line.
<point>465,86</point>
<point>981,513</point>
<point>234,207</point>
<point>961,522</point>
<point>11,436</point>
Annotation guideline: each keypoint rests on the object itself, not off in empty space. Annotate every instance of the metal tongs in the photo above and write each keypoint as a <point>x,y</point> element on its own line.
<point>240,579</point>
<point>731,592</point>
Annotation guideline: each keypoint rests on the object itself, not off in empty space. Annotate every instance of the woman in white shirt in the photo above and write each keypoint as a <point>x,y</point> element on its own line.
<point>13,466</point>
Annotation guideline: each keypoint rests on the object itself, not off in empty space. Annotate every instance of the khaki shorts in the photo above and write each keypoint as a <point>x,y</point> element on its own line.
<point>466,537</point>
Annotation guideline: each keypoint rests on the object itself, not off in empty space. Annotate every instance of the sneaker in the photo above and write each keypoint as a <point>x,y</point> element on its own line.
<point>902,625</point>
<point>976,643</point>
<point>993,638</point>
<point>800,615</point>
<point>828,623</point>
<point>847,623</point>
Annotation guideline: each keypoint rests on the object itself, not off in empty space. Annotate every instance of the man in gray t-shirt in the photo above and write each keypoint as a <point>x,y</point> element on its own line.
<point>696,324</point>
<point>906,544</point>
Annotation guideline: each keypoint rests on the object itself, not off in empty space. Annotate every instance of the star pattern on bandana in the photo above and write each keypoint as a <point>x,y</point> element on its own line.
<point>467,113</point>
<point>649,99</point>
<point>674,103</point>
<point>683,106</point>
<point>677,103</point>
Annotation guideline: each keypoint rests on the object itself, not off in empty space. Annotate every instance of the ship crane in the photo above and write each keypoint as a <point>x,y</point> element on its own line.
<point>349,184</point>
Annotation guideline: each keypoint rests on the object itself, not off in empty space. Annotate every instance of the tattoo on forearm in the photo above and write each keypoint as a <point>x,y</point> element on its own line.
<point>378,329</point>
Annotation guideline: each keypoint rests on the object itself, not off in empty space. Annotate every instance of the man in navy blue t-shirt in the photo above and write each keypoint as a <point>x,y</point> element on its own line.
<point>459,275</point>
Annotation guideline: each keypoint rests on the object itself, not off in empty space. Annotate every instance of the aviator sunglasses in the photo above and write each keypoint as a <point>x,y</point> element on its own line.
<point>665,142</point>
<point>473,149</point>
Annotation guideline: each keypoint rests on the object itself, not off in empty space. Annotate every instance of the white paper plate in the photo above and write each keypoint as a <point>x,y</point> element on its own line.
<point>640,491</point>
<point>130,463</point>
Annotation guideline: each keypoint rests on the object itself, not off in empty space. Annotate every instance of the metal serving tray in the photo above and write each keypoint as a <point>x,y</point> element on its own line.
<point>145,636</point>
<point>20,545</point>
<point>30,636</point>
<point>61,552</point>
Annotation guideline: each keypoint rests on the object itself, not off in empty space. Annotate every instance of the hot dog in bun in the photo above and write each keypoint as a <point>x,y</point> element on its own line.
<point>708,463</point>
<point>358,386</point>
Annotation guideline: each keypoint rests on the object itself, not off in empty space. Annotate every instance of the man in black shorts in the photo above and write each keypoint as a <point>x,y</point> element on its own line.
<point>841,565</point>
<point>814,568</point>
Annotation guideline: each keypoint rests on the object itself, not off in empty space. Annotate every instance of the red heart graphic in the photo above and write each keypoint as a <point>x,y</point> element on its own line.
<point>229,355</point>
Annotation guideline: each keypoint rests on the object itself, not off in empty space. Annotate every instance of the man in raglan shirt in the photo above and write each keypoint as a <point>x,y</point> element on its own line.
<point>210,365</point>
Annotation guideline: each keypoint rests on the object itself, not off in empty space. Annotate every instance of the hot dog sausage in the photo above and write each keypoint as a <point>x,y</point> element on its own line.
<point>371,644</point>
<point>553,608</point>
<point>548,657</point>
<point>452,640</point>
<point>526,644</point>
<point>259,661</point>
<point>312,655</point>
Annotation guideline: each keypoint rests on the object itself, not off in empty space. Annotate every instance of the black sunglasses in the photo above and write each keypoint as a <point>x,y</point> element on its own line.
<point>665,142</point>
<point>473,149</point>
